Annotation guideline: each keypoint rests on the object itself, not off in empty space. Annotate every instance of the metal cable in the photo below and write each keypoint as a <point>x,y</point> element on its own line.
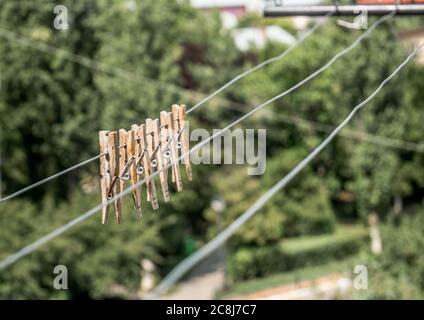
<point>34,185</point>
<point>95,65</point>
<point>266,62</point>
<point>182,268</point>
<point>28,249</point>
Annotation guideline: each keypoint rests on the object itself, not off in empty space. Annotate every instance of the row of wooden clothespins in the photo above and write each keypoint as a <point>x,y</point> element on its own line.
<point>131,156</point>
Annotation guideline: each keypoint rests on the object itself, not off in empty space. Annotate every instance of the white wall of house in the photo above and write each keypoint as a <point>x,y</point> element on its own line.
<point>246,38</point>
<point>232,3</point>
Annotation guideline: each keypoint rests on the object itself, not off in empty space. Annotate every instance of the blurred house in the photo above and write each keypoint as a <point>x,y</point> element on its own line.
<point>246,38</point>
<point>254,37</point>
<point>413,38</point>
<point>238,8</point>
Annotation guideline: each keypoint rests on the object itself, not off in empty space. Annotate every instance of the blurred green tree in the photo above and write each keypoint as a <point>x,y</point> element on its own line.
<point>51,109</point>
<point>398,272</point>
<point>48,105</point>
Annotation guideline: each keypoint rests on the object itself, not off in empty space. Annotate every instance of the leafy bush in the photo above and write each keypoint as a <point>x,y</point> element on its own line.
<point>98,257</point>
<point>247,263</point>
<point>398,273</point>
<point>302,209</point>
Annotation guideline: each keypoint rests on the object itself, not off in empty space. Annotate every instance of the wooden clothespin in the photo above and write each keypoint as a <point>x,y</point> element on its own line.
<point>144,168</point>
<point>185,142</point>
<point>170,151</point>
<point>156,156</point>
<point>105,173</point>
<point>179,116</point>
<point>122,163</point>
<point>163,137</point>
<point>137,154</point>
<point>132,149</point>
<point>114,187</point>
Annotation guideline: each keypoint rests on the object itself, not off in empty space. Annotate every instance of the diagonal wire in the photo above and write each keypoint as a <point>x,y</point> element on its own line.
<point>87,62</point>
<point>61,173</point>
<point>281,56</point>
<point>98,66</point>
<point>181,269</point>
<point>31,247</point>
<point>355,134</point>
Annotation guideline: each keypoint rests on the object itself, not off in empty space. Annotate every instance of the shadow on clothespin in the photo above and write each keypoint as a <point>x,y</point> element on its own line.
<point>105,172</point>
<point>122,162</point>
<point>143,165</point>
<point>156,156</point>
<point>130,171</point>
<point>169,149</point>
<point>179,126</point>
<point>114,186</point>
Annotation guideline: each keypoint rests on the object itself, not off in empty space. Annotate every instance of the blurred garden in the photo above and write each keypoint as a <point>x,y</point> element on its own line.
<point>51,110</point>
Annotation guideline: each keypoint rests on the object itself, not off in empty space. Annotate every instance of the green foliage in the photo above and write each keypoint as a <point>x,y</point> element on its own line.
<point>51,108</point>
<point>46,115</point>
<point>398,272</point>
<point>288,277</point>
<point>162,52</point>
<point>97,257</point>
<point>306,205</point>
<point>372,175</point>
<point>247,263</point>
<point>173,50</point>
<point>304,209</point>
<point>50,111</point>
